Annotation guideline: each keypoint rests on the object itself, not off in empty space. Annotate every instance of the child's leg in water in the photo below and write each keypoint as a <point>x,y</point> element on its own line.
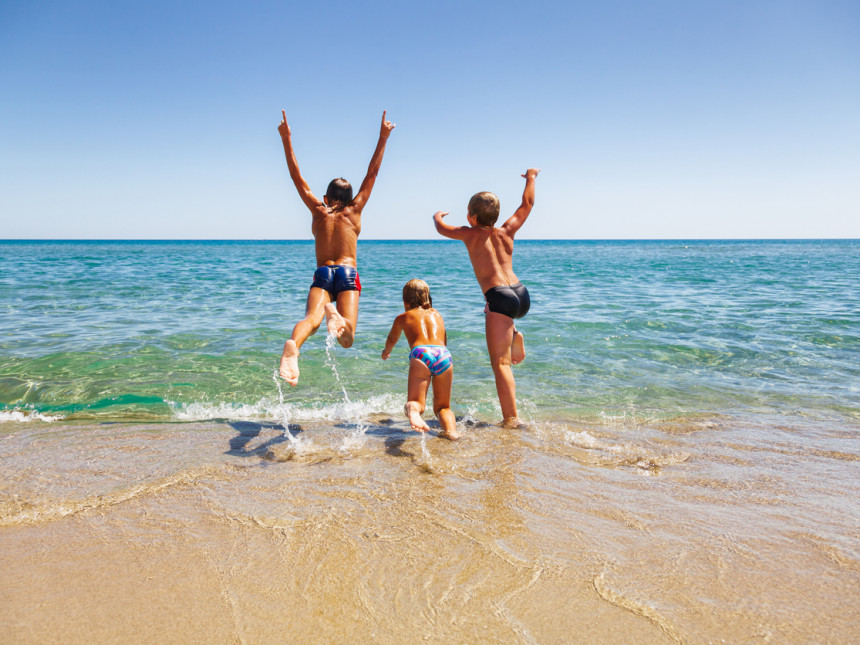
<point>500,339</point>
<point>417,385</point>
<point>442,404</point>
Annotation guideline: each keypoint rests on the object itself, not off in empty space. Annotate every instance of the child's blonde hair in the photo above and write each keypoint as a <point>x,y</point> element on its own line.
<point>416,293</point>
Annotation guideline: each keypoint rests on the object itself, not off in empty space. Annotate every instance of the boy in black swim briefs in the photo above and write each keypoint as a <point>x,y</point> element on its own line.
<point>336,224</point>
<point>491,252</point>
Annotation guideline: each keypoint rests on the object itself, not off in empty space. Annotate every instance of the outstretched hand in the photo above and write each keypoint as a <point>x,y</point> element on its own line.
<point>283,128</point>
<point>387,126</point>
<point>439,215</point>
<point>533,172</point>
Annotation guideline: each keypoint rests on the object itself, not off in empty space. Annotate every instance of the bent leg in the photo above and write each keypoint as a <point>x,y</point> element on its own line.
<point>518,348</point>
<point>442,404</point>
<point>341,320</point>
<point>307,326</point>
<point>416,394</point>
<point>500,337</point>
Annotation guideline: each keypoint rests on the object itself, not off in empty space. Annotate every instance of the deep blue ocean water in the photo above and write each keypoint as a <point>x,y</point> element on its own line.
<point>634,330</point>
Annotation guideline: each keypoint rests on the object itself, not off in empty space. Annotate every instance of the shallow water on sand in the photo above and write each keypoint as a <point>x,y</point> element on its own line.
<point>708,530</point>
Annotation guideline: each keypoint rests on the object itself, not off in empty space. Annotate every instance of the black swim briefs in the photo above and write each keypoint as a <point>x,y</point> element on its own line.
<point>335,278</point>
<point>512,301</point>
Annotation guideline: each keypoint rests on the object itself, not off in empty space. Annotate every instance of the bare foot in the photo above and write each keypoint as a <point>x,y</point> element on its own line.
<point>512,422</point>
<point>290,363</point>
<point>448,422</point>
<point>335,323</point>
<point>452,434</point>
<point>518,348</point>
<point>411,410</point>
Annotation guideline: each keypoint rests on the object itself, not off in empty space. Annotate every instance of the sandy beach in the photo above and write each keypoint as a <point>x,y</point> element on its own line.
<point>229,532</point>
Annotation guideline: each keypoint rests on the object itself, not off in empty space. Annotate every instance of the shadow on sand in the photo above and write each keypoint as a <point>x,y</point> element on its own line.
<point>250,430</point>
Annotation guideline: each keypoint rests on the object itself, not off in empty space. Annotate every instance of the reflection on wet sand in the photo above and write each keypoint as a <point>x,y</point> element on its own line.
<point>226,532</point>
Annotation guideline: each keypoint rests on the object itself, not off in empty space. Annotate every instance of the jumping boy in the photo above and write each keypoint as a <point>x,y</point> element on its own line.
<point>336,225</point>
<point>491,252</point>
<point>429,359</point>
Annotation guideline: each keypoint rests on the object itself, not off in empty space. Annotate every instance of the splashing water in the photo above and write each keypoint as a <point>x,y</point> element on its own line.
<point>425,461</point>
<point>356,438</point>
<point>332,363</point>
<point>282,412</point>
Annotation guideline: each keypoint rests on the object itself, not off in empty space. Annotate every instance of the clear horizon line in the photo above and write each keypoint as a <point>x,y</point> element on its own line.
<point>434,239</point>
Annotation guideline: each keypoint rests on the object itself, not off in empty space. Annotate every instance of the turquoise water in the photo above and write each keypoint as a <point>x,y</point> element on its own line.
<point>617,330</point>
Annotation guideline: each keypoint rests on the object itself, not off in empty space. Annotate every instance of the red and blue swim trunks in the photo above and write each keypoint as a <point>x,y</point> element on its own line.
<point>335,278</point>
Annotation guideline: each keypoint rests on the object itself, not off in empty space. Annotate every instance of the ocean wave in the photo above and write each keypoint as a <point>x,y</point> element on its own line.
<point>272,410</point>
<point>26,415</point>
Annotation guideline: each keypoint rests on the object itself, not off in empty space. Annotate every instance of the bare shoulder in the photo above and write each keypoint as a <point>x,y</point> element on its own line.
<point>352,213</point>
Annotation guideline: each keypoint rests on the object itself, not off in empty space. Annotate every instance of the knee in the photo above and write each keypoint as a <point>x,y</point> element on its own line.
<point>500,362</point>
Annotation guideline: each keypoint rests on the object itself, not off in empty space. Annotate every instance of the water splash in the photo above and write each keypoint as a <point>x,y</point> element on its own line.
<point>282,412</point>
<point>357,436</point>
<point>424,461</point>
<point>331,362</point>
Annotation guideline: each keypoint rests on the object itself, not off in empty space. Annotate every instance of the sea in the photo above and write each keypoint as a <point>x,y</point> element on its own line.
<point>688,470</point>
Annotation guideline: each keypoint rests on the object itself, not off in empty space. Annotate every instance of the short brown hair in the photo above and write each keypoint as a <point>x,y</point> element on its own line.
<point>485,207</point>
<point>416,293</point>
<point>339,192</point>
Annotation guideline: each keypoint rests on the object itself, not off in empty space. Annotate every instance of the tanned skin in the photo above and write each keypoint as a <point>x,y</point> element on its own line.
<point>491,252</point>
<point>335,228</point>
<point>424,327</point>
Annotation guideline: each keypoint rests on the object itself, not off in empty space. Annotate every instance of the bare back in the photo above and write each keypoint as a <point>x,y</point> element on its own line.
<point>423,327</point>
<point>336,234</point>
<point>491,252</point>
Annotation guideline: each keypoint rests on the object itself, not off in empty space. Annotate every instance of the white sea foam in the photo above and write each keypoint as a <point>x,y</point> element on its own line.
<point>272,410</point>
<point>26,415</point>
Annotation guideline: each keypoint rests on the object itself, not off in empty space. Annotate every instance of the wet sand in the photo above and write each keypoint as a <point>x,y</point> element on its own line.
<point>217,532</point>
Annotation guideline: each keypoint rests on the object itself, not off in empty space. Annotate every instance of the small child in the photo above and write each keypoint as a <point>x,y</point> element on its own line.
<point>429,359</point>
<point>491,251</point>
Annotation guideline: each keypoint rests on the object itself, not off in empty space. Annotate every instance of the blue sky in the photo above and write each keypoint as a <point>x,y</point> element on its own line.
<point>665,119</point>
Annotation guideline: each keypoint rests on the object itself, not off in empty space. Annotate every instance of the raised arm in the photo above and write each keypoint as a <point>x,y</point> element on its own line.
<point>373,169</point>
<point>393,337</point>
<point>444,228</point>
<point>515,221</point>
<point>305,193</point>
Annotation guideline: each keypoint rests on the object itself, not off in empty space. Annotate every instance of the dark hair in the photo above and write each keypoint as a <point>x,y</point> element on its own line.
<point>339,192</point>
<point>485,207</point>
<point>416,293</point>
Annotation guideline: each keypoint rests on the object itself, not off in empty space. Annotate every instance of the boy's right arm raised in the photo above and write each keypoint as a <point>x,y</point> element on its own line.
<point>310,200</point>
<point>515,221</point>
<point>375,163</point>
<point>444,228</point>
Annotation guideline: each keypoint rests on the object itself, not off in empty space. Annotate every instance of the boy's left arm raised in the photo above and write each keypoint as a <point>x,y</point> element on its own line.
<point>375,163</point>
<point>515,221</point>
<point>310,200</point>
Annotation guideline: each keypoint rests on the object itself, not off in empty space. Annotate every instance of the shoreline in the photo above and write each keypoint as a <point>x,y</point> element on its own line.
<point>221,532</point>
